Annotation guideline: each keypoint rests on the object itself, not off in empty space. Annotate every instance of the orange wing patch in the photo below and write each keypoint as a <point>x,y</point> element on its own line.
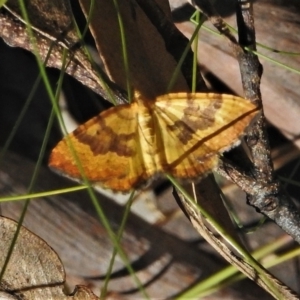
<point>179,134</point>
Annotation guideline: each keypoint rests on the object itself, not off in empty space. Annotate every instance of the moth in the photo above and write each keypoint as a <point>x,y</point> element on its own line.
<point>180,134</point>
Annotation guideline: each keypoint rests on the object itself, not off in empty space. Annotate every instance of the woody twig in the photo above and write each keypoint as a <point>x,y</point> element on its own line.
<point>262,189</point>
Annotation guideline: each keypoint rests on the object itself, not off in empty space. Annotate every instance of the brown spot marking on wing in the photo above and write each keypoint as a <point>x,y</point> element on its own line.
<point>105,140</point>
<point>194,118</point>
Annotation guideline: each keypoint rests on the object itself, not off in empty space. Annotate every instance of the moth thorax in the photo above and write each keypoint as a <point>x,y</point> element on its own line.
<point>145,126</point>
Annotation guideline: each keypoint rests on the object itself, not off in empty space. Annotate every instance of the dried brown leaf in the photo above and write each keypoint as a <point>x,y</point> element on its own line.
<point>33,271</point>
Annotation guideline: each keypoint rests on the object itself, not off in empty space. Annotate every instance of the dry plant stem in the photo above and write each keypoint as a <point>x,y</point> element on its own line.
<point>193,213</point>
<point>266,194</point>
<point>263,192</point>
<point>207,7</point>
<point>14,33</point>
<point>274,203</point>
